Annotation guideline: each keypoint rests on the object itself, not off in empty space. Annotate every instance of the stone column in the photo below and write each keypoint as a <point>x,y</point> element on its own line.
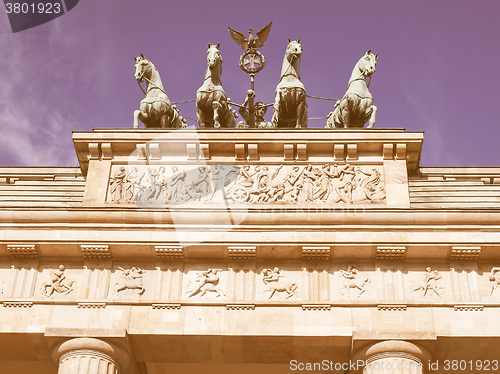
<point>89,356</point>
<point>393,357</point>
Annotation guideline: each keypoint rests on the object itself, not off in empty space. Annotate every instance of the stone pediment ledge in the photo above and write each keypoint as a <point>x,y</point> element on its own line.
<point>239,146</point>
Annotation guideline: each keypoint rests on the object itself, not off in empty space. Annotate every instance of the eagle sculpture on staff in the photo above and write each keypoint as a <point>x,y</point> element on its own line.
<point>252,42</point>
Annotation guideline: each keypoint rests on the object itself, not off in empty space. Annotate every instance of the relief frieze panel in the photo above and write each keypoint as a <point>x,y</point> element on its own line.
<point>131,281</point>
<point>279,283</point>
<point>429,284</point>
<point>205,283</point>
<point>264,282</point>
<point>249,184</point>
<point>352,282</point>
<point>61,281</point>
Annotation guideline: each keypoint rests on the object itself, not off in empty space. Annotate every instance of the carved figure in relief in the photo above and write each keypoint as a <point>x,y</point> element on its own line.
<point>58,283</point>
<point>344,190</point>
<point>494,280</point>
<point>247,183</point>
<point>290,106</point>
<point>272,281</point>
<point>201,186</point>
<point>292,185</point>
<point>207,281</point>
<point>212,105</point>
<point>353,280</point>
<point>134,178</point>
<point>356,107</point>
<point>155,109</point>
<point>130,279</point>
<point>118,185</point>
<point>309,176</point>
<point>176,189</point>
<point>430,283</point>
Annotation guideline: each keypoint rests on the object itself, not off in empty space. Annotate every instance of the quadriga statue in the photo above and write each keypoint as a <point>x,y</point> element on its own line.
<point>290,107</point>
<point>212,107</point>
<point>356,107</point>
<point>155,109</point>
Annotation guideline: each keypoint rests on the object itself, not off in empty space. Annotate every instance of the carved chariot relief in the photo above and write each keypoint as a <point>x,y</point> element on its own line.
<point>59,283</point>
<point>251,184</point>
<point>206,282</point>
<point>353,284</point>
<point>130,279</point>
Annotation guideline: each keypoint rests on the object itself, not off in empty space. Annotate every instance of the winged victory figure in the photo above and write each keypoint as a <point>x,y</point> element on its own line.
<point>252,42</point>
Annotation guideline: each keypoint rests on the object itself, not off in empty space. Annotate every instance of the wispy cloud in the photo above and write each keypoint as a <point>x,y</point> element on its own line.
<point>32,129</point>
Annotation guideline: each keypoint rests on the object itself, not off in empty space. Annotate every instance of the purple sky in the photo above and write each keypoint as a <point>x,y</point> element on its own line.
<point>437,69</point>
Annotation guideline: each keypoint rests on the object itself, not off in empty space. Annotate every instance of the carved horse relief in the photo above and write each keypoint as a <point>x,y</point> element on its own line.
<point>290,107</point>
<point>356,107</point>
<point>271,278</point>
<point>155,109</point>
<point>212,105</point>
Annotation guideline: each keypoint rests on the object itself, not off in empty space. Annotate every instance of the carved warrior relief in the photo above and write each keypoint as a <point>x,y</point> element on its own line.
<point>58,283</point>
<point>207,281</point>
<point>271,278</point>
<point>284,184</point>
<point>130,279</point>
<point>430,284</point>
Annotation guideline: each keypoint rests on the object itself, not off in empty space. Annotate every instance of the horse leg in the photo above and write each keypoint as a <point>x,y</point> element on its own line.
<point>276,108</point>
<point>164,121</point>
<point>272,292</point>
<point>347,113</point>
<point>301,115</point>
<point>200,116</point>
<point>216,106</point>
<point>372,117</point>
<point>136,118</point>
<point>230,119</point>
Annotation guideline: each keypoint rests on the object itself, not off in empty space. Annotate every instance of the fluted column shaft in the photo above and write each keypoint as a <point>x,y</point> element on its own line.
<point>86,361</point>
<point>89,356</point>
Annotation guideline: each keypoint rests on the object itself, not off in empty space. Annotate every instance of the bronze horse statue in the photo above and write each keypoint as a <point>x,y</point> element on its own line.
<point>356,107</point>
<point>155,109</point>
<point>212,107</point>
<point>290,107</point>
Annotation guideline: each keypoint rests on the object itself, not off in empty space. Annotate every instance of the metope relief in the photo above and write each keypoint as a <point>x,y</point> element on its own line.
<point>494,280</point>
<point>250,184</point>
<point>430,284</point>
<point>130,280</point>
<point>59,283</point>
<point>353,283</point>
<point>206,282</point>
<point>276,284</point>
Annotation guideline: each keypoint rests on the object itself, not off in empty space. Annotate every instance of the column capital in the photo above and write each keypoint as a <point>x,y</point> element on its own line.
<point>87,345</point>
<point>386,356</point>
<point>393,346</point>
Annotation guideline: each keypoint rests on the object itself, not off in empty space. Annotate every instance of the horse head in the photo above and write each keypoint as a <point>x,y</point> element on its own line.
<point>367,64</point>
<point>143,68</point>
<point>213,56</point>
<point>293,50</point>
